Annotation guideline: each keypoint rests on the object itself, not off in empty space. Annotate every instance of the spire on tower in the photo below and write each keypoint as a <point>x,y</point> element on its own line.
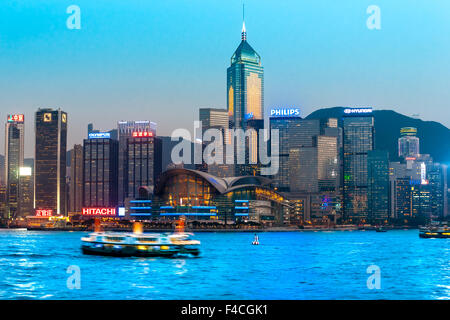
<point>244,32</point>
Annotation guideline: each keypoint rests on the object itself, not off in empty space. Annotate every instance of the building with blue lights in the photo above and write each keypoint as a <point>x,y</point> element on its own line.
<point>200,196</point>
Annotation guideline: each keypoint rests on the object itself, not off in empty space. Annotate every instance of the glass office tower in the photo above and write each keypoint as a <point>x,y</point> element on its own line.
<point>76,179</point>
<point>358,140</point>
<point>245,85</point>
<point>283,124</point>
<point>408,143</point>
<point>378,185</point>
<point>125,131</point>
<point>50,160</point>
<point>143,162</point>
<point>14,151</point>
<point>100,159</point>
<point>26,192</point>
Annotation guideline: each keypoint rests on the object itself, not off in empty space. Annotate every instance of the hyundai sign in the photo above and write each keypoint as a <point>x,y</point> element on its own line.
<point>99,135</point>
<point>285,112</point>
<point>358,110</point>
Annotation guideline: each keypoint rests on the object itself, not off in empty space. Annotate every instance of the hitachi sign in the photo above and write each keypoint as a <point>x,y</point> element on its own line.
<point>285,112</point>
<point>99,211</point>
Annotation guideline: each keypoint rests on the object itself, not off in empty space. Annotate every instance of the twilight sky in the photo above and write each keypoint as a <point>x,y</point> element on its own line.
<point>162,60</point>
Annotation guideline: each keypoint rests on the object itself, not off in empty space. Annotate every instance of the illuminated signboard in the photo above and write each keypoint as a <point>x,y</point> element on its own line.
<point>24,171</point>
<point>47,117</point>
<point>44,213</point>
<point>121,212</point>
<point>357,110</point>
<point>64,118</point>
<point>99,135</point>
<point>408,131</point>
<point>285,112</point>
<point>249,116</point>
<point>142,134</point>
<point>15,118</point>
<point>99,212</point>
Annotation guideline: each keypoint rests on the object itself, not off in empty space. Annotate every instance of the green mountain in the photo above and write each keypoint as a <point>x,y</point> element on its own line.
<point>434,137</point>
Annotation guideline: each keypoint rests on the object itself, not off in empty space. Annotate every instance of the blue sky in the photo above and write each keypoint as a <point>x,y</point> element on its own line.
<point>162,60</point>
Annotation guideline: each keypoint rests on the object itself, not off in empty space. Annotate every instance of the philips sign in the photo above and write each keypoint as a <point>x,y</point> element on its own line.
<point>287,112</point>
<point>99,135</point>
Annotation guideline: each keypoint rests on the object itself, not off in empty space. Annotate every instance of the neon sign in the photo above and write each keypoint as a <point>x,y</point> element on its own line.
<point>44,212</point>
<point>286,112</point>
<point>15,118</point>
<point>357,110</point>
<point>99,135</point>
<point>142,134</point>
<point>99,212</point>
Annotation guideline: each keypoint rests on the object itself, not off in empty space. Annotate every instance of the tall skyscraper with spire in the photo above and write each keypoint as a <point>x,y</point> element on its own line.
<point>245,85</point>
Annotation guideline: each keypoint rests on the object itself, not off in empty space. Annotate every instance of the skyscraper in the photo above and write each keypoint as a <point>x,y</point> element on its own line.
<point>126,130</point>
<point>378,185</point>
<point>212,118</point>
<point>50,160</point>
<point>26,194</point>
<point>143,162</point>
<point>245,85</point>
<point>76,179</point>
<point>408,143</point>
<point>100,158</point>
<point>358,140</point>
<point>283,120</point>
<point>14,151</point>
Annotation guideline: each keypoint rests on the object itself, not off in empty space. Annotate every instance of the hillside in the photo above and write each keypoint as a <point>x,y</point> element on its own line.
<point>434,137</point>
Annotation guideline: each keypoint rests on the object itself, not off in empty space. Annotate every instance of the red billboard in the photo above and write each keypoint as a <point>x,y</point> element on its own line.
<point>104,212</point>
<point>15,118</point>
<point>44,212</point>
<point>142,134</point>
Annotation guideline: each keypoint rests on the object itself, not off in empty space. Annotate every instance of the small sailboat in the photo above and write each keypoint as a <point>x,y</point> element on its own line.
<point>255,240</point>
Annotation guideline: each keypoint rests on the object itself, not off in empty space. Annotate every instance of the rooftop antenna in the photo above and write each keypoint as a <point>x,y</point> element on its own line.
<point>244,32</point>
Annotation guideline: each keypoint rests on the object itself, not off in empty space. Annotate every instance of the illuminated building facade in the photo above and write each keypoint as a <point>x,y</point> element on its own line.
<point>283,120</point>
<point>245,85</point>
<point>14,151</point>
<point>358,140</point>
<point>212,118</point>
<point>76,179</point>
<point>50,160</point>
<point>408,143</point>
<point>100,167</point>
<point>437,180</point>
<point>26,187</point>
<point>3,213</point>
<point>378,185</point>
<point>200,196</point>
<point>125,130</point>
<point>143,162</point>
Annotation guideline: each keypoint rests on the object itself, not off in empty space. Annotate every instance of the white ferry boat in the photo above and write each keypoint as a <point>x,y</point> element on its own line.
<point>435,231</point>
<point>140,245</point>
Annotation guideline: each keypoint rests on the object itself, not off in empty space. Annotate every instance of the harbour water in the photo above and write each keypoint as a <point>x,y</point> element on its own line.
<point>286,265</point>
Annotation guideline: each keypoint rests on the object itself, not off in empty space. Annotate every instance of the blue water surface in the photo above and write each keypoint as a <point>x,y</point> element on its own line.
<point>287,265</point>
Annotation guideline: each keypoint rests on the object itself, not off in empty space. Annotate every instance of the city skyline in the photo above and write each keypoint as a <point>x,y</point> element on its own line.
<point>78,70</point>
